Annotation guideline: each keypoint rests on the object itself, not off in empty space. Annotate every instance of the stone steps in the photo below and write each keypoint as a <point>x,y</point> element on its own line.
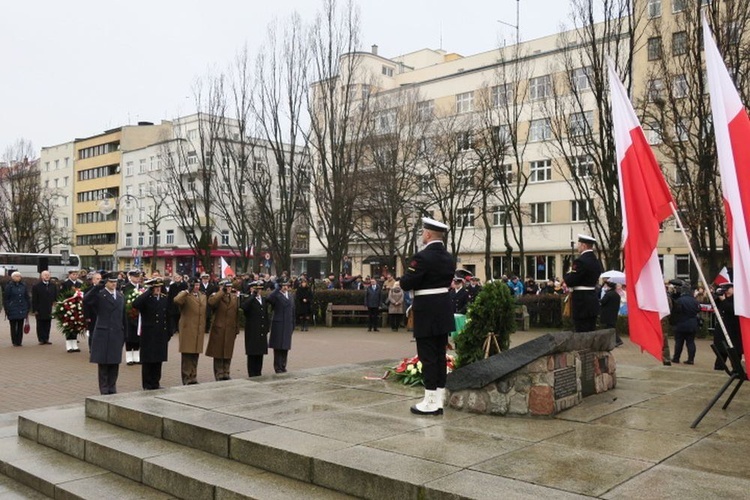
<point>64,454</point>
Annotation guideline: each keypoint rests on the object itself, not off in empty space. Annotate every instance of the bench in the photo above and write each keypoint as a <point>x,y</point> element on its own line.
<point>350,311</point>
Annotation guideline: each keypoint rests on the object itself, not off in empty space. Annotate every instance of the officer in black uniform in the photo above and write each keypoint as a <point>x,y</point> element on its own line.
<point>152,304</point>
<point>429,275</point>
<point>459,296</point>
<point>582,280</point>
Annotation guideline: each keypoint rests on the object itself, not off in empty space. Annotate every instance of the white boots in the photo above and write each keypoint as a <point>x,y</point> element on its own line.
<point>441,396</point>
<point>132,357</point>
<point>72,345</point>
<point>432,404</point>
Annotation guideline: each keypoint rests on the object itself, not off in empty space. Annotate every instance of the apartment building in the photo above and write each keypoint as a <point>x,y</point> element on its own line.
<point>97,185</point>
<point>57,179</point>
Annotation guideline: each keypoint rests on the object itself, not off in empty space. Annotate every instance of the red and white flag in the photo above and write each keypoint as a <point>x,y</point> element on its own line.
<point>722,277</point>
<point>732,129</point>
<point>646,201</point>
<point>226,271</point>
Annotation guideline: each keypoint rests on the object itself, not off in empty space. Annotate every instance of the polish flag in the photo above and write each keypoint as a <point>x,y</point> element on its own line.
<point>226,271</point>
<point>732,130</point>
<point>722,277</point>
<point>646,201</point>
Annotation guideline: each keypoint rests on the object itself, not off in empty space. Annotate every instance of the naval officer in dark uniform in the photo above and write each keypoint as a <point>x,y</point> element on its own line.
<point>429,275</point>
<point>582,280</point>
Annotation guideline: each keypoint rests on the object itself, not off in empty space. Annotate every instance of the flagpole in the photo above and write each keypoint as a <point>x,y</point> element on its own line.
<point>700,275</point>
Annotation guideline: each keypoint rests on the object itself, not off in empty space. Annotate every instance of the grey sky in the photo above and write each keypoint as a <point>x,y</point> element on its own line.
<point>72,68</point>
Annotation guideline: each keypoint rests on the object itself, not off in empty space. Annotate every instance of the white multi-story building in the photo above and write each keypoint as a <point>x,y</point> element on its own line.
<point>57,179</point>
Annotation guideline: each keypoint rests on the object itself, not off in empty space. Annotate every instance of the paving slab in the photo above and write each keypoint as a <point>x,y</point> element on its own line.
<point>675,483</point>
<point>11,489</point>
<point>647,446</point>
<point>295,386</point>
<point>274,487</point>
<point>146,415</point>
<point>352,398</point>
<point>370,473</point>
<point>353,427</point>
<point>662,420</point>
<point>217,397</point>
<point>480,486</point>
<point>107,485</point>
<point>281,450</point>
<point>281,410</point>
<point>598,405</point>
<point>527,429</point>
<point>452,446</point>
<point>206,430</point>
<point>400,410</point>
<point>714,455</point>
<point>561,467</point>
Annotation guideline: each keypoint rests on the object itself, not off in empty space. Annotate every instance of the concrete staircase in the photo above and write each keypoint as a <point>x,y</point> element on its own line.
<point>229,440</point>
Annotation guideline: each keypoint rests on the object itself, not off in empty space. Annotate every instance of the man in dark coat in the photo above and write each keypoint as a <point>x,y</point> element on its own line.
<point>725,305</point>
<point>72,281</point>
<point>173,312</point>
<point>98,280</point>
<point>282,325</point>
<point>684,320</point>
<point>132,339</point>
<point>610,309</point>
<point>152,304</point>
<point>304,303</point>
<point>429,274</point>
<point>108,336</point>
<point>373,300</point>
<point>459,296</point>
<point>43,296</point>
<point>473,289</point>
<point>257,325</point>
<point>582,280</point>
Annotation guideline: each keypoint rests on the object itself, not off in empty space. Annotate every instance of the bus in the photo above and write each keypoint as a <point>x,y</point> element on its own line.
<point>31,264</point>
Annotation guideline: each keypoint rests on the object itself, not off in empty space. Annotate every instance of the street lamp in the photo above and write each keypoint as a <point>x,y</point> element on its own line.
<point>127,203</point>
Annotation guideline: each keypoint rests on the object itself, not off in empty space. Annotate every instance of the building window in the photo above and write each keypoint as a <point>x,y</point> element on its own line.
<point>654,8</point>
<point>678,5</point>
<point>580,210</point>
<point>654,48</point>
<point>499,214</point>
<point>192,134</point>
<point>582,166</point>
<point>142,166</point>
<point>540,212</point>
<point>128,218</point>
<point>682,266</point>
<point>129,169</point>
<point>387,71</point>
<point>679,87</point>
<point>465,217</point>
<point>170,236</point>
<point>653,133</point>
<point>502,134</point>
<point>502,95</point>
<point>579,79</point>
<point>140,239</point>
<point>540,171</point>
<point>464,141</point>
<point>464,178</point>
<point>465,102</point>
<point>681,130</point>
<point>541,267</point>
<point>225,237</point>
<point>386,121</point>
<point>425,110</point>
<point>150,238</point>
<point>540,130</point>
<point>679,43</point>
<point>655,87</point>
<point>733,33</point>
<point>580,123</point>
<point>192,158</point>
<point>540,87</point>
<point>503,175</point>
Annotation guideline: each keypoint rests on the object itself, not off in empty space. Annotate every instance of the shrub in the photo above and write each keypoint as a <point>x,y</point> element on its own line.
<point>545,310</point>
<point>492,311</point>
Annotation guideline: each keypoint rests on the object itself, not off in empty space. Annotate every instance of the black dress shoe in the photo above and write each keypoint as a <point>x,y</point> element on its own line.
<point>676,361</point>
<point>689,362</point>
<point>667,363</point>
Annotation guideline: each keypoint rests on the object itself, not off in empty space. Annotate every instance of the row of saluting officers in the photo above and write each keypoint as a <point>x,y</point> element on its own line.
<point>274,315</point>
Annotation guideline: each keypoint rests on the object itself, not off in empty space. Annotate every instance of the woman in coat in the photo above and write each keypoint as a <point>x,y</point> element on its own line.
<point>225,327</point>
<point>609,308</point>
<point>155,335</point>
<point>304,303</point>
<point>192,305</point>
<point>257,325</point>
<point>395,305</point>
<point>282,326</point>
<point>17,304</point>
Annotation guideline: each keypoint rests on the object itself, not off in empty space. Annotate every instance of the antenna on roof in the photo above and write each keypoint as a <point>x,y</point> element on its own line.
<point>441,35</point>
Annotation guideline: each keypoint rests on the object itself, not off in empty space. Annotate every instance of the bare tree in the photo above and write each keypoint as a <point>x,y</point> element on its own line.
<point>389,203</point>
<point>190,162</point>
<point>581,116</point>
<point>677,113</point>
<point>280,174</point>
<point>500,150</point>
<point>26,211</point>
<point>339,124</point>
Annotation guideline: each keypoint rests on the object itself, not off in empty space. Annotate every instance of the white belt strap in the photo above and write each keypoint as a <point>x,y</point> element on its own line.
<point>582,288</point>
<point>430,291</point>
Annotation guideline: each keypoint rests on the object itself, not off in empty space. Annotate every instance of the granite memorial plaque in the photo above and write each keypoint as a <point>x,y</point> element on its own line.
<point>565,382</point>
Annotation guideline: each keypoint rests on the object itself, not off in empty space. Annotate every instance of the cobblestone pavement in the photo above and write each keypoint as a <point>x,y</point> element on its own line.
<point>36,376</point>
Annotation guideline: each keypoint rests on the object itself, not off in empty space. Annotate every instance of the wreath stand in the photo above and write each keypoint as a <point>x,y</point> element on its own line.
<point>490,341</point>
<point>735,371</point>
